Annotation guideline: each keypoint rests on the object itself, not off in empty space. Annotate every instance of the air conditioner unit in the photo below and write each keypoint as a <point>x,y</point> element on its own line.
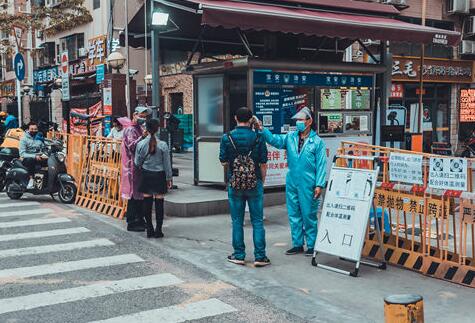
<point>467,47</point>
<point>470,26</point>
<point>395,2</point>
<point>82,52</point>
<point>458,6</point>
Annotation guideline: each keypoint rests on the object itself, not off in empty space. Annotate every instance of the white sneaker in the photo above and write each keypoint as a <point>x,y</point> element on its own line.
<point>31,184</point>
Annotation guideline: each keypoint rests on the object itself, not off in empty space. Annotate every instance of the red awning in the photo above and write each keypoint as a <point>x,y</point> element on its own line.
<point>249,16</point>
<point>349,4</point>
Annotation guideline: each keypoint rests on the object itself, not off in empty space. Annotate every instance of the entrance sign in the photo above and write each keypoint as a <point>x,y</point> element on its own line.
<point>345,213</point>
<point>19,65</point>
<point>65,76</point>
<point>406,168</point>
<point>448,173</point>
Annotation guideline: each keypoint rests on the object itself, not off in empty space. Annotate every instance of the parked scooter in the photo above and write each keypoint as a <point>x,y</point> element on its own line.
<point>6,157</point>
<point>47,180</point>
<point>469,148</point>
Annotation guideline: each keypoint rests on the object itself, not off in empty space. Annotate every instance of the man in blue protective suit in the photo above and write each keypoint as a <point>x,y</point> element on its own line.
<point>306,153</point>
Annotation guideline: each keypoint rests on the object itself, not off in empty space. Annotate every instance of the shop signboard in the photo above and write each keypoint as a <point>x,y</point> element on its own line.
<point>397,91</point>
<point>303,79</point>
<point>100,71</point>
<point>343,224</point>
<point>7,89</point>
<point>448,173</point>
<point>467,105</point>
<point>434,70</point>
<point>97,50</point>
<point>405,168</point>
<point>45,75</point>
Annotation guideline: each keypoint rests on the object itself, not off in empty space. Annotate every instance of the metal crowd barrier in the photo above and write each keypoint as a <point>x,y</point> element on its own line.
<point>430,231</point>
<point>95,163</point>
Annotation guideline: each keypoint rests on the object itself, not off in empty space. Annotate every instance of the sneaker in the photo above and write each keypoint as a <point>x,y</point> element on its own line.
<point>262,262</point>
<point>236,261</point>
<point>31,184</point>
<point>294,251</point>
<point>309,253</point>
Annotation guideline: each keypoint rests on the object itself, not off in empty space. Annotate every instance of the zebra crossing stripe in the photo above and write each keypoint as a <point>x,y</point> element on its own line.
<point>13,224</point>
<point>42,234</point>
<point>29,212</point>
<point>54,248</point>
<point>18,204</point>
<point>28,302</point>
<point>63,267</point>
<point>177,313</point>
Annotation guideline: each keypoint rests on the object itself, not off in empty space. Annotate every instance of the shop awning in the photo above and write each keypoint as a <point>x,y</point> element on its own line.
<point>251,16</point>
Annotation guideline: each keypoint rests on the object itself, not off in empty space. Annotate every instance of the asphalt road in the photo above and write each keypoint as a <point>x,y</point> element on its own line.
<point>63,264</point>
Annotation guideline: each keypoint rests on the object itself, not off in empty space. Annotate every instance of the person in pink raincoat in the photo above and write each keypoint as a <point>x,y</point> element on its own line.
<point>130,175</point>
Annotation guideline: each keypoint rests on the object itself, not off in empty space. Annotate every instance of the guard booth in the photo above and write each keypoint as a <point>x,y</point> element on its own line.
<point>340,95</point>
<point>277,56</point>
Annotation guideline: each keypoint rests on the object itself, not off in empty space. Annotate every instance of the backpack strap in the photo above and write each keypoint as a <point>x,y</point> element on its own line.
<point>254,145</point>
<point>232,142</point>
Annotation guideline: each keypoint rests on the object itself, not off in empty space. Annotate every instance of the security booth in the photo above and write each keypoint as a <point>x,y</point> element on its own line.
<point>277,56</point>
<point>340,95</point>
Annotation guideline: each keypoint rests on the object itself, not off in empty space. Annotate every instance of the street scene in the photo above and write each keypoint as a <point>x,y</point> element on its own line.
<point>237,161</point>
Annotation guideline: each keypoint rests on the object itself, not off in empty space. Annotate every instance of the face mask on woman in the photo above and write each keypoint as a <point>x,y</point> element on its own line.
<point>301,126</point>
<point>141,121</point>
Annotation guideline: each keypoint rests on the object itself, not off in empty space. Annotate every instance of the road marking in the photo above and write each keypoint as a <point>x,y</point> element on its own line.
<point>26,223</point>
<point>54,248</point>
<point>42,234</point>
<point>27,302</point>
<point>18,204</point>
<point>68,266</point>
<point>177,313</point>
<point>29,212</point>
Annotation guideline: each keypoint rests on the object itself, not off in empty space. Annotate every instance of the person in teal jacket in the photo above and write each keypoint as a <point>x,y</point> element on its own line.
<point>306,153</point>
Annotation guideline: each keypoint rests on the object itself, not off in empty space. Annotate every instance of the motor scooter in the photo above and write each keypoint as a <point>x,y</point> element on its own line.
<point>46,180</point>
<point>6,157</point>
<point>469,148</point>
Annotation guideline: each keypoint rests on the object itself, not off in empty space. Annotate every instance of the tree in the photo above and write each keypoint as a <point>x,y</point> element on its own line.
<point>66,15</point>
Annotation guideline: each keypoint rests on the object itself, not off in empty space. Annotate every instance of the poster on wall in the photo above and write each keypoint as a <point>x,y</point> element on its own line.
<point>332,99</point>
<point>360,100</point>
<point>448,173</point>
<point>81,117</point>
<point>467,105</point>
<point>277,166</point>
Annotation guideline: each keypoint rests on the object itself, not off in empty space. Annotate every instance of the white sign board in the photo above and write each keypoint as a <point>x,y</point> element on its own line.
<point>448,173</point>
<point>345,213</point>
<point>406,168</point>
<point>277,166</point>
<point>65,76</point>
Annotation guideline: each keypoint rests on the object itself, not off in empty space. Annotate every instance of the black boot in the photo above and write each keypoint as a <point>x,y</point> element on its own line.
<point>159,216</point>
<point>147,212</point>
<point>133,210</point>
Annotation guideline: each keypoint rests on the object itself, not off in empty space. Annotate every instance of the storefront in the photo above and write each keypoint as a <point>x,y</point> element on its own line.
<point>442,82</point>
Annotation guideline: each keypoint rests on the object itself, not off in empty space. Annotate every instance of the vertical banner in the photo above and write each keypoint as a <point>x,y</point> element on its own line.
<point>65,76</point>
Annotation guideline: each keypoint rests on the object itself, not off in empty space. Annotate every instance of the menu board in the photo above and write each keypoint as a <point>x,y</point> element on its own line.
<point>467,105</point>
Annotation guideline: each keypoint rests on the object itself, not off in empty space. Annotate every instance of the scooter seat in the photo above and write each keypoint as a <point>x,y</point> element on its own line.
<point>18,164</point>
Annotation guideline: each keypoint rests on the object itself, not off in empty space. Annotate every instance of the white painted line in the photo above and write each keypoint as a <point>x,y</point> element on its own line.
<point>18,204</point>
<point>42,234</point>
<point>27,302</point>
<point>54,248</point>
<point>68,266</point>
<point>177,313</point>
<point>28,212</point>
<point>26,223</point>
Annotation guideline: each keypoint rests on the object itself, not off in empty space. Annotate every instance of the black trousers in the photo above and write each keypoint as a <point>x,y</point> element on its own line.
<point>31,163</point>
<point>134,213</point>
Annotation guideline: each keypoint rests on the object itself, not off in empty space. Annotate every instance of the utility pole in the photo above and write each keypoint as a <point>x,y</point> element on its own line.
<point>127,76</point>
<point>155,67</point>
<point>421,72</point>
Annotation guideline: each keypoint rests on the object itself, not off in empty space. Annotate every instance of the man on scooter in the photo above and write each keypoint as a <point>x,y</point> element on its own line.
<point>30,151</point>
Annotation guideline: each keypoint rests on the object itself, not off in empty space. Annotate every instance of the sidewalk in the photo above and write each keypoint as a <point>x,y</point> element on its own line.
<point>293,284</point>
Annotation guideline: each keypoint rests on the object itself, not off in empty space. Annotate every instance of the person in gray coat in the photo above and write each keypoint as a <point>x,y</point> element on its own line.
<point>31,145</point>
<point>153,157</point>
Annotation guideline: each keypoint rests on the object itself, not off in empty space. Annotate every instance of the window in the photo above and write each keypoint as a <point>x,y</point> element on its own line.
<point>72,44</point>
<point>48,55</point>
<point>9,63</point>
<point>96,4</point>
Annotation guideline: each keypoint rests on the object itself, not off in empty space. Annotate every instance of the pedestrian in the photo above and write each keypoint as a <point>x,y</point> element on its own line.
<point>11,122</point>
<point>153,158</point>
<point>117,131</point>
<point>306,153</point>
<point>244,152</point>
<point>130,174</point>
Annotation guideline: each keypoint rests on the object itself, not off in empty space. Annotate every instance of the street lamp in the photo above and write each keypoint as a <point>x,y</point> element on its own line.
<point>160,18</point>
<point>116,61</point>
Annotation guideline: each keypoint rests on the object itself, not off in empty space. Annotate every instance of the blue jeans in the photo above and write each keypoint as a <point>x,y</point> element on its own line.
<point>237,204</point>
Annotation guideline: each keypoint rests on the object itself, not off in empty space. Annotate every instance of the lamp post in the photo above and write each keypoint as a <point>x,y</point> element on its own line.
<point>116,61</point>
<point>148,82</point>
<point>159,19</point>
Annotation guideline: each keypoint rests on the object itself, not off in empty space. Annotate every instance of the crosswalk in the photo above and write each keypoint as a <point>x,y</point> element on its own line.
<point>53,245</point>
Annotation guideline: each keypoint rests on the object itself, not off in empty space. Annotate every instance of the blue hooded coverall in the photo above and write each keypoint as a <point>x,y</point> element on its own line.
<point>307,170</point>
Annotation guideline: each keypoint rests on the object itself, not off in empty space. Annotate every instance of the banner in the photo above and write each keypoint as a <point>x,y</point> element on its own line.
<point>80,117</point>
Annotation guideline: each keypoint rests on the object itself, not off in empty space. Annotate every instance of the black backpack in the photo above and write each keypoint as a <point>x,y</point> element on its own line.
<point>243,173</point>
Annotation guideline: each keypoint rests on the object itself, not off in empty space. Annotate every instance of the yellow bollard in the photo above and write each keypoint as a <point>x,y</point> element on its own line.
<point>404,309</point>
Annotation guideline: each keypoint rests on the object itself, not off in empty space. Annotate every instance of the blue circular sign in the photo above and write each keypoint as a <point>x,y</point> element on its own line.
<point>19,65</point>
